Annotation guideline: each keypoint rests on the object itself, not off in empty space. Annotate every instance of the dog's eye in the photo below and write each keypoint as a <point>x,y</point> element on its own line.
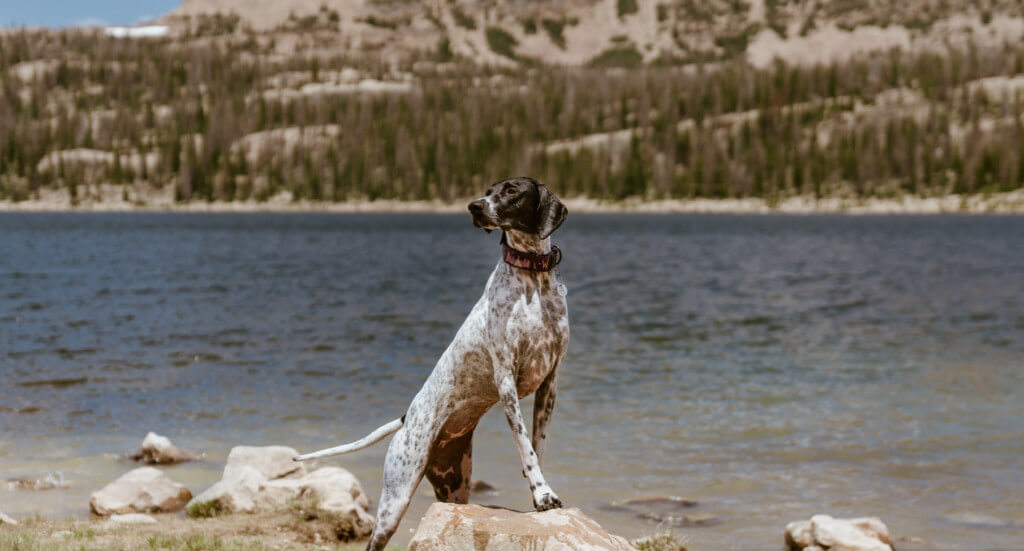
<point>509,192</point>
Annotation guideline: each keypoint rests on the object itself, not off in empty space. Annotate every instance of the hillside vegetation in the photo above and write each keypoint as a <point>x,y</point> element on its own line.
<point>225,114</point>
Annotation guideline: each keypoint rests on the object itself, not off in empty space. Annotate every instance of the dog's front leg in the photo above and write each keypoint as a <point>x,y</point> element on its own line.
<point>544,497</point>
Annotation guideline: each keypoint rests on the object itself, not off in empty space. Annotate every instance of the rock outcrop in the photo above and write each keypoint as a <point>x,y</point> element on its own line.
<point>142,490</point>
<point>452,526</point>
<point>158,449</point>
<point>824,532</point>
<point>266,479</point>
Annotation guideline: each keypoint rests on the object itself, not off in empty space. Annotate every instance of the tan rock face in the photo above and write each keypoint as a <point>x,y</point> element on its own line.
<point>141,490</point>
<point>451,526</point>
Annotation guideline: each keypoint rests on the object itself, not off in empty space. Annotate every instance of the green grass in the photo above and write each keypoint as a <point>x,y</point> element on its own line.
<point>555,29</point>
<point>659,542</point>
<point>463,20</point>
<point>501,42</point>
<point>627,7</point>
<point>204,510</point>
<point>627,56</point>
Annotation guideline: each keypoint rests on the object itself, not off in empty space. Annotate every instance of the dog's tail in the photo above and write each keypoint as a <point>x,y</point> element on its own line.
<point>365,442</point>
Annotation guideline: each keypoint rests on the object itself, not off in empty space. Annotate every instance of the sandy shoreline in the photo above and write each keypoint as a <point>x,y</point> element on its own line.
<point>995,203</point>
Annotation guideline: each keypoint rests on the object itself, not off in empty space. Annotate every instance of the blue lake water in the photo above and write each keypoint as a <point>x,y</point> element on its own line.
<point>769,367</point>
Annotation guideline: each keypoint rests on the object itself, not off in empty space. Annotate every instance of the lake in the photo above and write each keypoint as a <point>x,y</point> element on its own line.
<point>768,367</point>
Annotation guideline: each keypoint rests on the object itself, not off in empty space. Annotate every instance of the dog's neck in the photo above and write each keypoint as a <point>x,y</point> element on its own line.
<point>527,242</point>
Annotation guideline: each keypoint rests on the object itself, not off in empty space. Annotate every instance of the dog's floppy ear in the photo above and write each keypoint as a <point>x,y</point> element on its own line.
<point>550,211</point>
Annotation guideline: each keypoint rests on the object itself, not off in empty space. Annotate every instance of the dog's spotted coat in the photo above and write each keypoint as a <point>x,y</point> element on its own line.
<point>509,347</point>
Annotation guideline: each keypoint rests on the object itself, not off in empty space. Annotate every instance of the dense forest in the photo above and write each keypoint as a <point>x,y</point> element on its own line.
<point>222,119</point>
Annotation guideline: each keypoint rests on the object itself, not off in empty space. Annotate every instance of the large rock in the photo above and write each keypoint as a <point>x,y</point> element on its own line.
<point>335,495</point>
<point>448,526</point>
<point>825,532</point>
<point>141,490</point>
<point>232,494</point>
<point>270,461</point>
<point>4,519</point>
<point>158,449</point>
<point>247,470</point>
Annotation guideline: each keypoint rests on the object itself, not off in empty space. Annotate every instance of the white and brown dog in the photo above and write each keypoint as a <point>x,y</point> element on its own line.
<point>509,347</point>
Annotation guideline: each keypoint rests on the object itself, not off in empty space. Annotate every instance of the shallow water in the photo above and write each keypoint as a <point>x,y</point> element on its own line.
<point>768,367</point>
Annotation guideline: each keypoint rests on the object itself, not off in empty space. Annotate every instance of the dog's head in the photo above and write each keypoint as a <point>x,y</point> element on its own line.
<point>520,204</point>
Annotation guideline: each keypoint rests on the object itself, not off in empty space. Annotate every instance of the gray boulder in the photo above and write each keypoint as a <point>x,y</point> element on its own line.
<point>270,461</point>
<point>141,490</point>
<point>232,494</point>
<point>825,532</point>
<point>451,526</point>
<point>335,494</point>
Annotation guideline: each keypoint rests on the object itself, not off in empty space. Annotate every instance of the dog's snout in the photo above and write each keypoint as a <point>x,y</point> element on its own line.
<point>476,206</point>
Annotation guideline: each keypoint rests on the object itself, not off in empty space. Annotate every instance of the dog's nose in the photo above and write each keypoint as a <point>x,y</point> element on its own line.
<point>476,206</point>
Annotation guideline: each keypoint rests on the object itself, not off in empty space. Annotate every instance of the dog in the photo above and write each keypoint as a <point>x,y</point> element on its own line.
<point>510,346</point>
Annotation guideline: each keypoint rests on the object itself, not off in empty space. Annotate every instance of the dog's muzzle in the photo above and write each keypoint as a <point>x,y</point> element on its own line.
<point>481,219</point>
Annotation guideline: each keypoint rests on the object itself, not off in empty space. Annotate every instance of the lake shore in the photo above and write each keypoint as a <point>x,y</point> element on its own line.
<point>112,199</point>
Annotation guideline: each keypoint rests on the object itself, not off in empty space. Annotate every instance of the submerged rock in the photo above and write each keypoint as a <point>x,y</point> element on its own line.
<point>51,481</point>
<point>668,510</point>
<point>452,526</point>
<point>482,487</point>
<point>158,449</point>
<point>141,490</point>
<point>825,532</point>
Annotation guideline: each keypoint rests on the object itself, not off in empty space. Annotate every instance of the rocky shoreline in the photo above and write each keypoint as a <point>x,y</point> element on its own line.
<point>109,198</point>
<point>265,500</point>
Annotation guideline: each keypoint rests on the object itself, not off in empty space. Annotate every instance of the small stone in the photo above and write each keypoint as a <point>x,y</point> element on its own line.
<point>131,518</point>
<point>158,449</point>
<point>844,535</point>
<point>141,490</point>
<point>4,519</point>
<point>798,535</point>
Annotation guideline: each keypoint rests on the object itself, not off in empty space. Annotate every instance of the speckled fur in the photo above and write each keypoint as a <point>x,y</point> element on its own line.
<point>509,347</point>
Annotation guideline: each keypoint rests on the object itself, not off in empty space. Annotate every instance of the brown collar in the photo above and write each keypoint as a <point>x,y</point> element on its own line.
<point>530,261</point>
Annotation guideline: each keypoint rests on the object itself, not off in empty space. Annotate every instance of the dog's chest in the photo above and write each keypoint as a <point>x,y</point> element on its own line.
<point>532,318</point>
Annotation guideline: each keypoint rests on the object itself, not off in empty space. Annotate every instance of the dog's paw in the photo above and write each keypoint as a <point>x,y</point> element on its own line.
<point>547,502</point>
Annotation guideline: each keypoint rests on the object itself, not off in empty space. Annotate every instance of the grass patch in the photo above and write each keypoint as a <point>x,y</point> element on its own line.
<point>529,25</point>
<point>204,510</point>
<point>736,44</point>
<point>463,20</point>
<point>662,13</point>
<point>501,42</point>
<point>555,29</point>
<point>659,542</point>
<point>627,7</point>
<point>626,56</point>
